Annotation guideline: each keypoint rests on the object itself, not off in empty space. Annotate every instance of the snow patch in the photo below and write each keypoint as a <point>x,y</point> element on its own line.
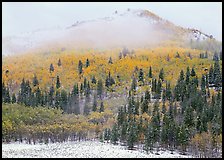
<point>82,149</point>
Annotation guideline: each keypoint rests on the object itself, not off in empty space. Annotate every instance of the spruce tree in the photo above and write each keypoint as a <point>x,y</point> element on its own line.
<point>99,87</point>
<point>150,72</point>
<point>187,76</point>
<point>80,67</point>
<point>217,74</point>
<point>13,98</point>
<point>51,96</point>
<point>156,122</point>
<point>141,76</point>
<point>211,75</point>
<point>131,137</point>
<point>161,74</point>
<point>110,61</point>
<point>203,85</point>
<point>94,80</point>
<point>85,83</point>
<point>57,99</point>
<point>183,137</point>
<point>7,96</point>
<point>87,62</point>
<point>193,73</point>
<point>51,68</point>
<point>133,84</point>
<point>168,91</point>
<point>38,96</point>
<point>35,81</point>
<point>148,138</point>
<point>59,62</point>
<point>101,107</point>
<point>94,103</point>
<point>64,101</point>
<point>114,134</point>
<point>215,56</point>
<point>58,83</point>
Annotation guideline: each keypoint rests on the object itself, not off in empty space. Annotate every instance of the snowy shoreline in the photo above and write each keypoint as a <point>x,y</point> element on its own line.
<point>82,149</point>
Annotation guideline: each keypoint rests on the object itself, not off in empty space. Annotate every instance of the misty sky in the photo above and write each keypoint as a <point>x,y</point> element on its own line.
<point>25,17</point>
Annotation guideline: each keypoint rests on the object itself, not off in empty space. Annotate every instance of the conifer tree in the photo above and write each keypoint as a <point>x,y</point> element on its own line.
<point>161,74</point>
<point>114,134</point>
<point>87,62</point>
<point>101,107</point>
<point>51,68</point>
<point>203,85</point>
<point>193,73</point>
<point>187,76</point>
<point>64,101</point>
<point>58,83</point>
<point>94,103</point>
<point>131,137</point>
<point>13,98</point>
<point>35,81</point>
<point>99,87</point>
<point>211,75</point>
<point>7,96</point>
<point>148,138</point>
<point>215,56</point>
<point>59,62</point>
<point>80,67</point>
<point>133,84</point>
<point>51,96</point>
<point>150,72</point>
<point>110,61</point>
<point>94,80</point>
<point>217,74</point>
<point>141,76</point>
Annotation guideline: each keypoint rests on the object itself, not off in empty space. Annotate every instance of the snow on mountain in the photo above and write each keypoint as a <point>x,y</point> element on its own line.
<point>132,28</point>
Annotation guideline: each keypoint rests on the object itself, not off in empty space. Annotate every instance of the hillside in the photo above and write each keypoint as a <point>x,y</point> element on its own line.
<point>132,79</point>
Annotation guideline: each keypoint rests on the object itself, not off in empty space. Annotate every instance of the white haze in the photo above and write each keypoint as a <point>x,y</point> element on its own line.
<point>119,30</point>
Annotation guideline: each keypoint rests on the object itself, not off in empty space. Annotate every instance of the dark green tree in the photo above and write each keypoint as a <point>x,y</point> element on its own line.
<point>58,83</point>
<point>148,138</point>
<point>211,75</point>
<point>110,61</point>
<point>35,81</point>
<point>94,80</point>
<point>114,134</point>
<point>94,103</point>
<point>99,87</point>
<point>150,72</point>
<point>216,56</point>
<point>187,76</point>
<point>80,67</point>
<point>51,68</point>
<point>217,74</point>
<point>59,62</point>
<point>168,91</point>
<point>64,100</point>
<point>141,76</point>
<point>51,96</point>
<point>131,136</point>
<point>193,73</point>
<point>87,62</point>
<point>13,98</point>
<point>101,107</point>
<point>161,74</point>
<point>133,84</point>
<point>7,96</point>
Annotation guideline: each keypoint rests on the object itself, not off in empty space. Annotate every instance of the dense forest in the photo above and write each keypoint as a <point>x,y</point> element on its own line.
<point>175,105</point>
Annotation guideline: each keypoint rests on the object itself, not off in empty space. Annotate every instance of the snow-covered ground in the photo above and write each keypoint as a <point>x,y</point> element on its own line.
<point>83,149</point>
